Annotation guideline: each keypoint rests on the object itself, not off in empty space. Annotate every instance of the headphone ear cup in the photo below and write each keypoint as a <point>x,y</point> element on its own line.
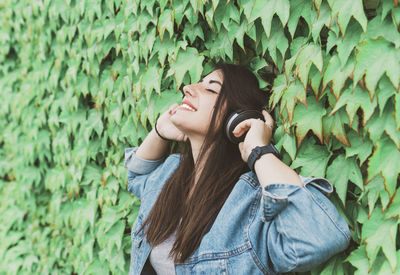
<point>235,118</point>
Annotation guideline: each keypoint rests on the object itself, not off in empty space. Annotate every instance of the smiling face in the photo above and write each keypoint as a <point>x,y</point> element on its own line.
<point>194,115</point>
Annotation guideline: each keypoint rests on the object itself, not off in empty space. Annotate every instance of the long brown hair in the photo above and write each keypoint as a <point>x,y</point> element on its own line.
<point>222,169</point>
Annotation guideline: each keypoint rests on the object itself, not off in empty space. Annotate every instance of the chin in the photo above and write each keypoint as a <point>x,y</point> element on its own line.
<point>179,122</point>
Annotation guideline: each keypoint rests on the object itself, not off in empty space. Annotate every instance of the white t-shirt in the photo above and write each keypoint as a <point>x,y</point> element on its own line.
<point>159,259</point>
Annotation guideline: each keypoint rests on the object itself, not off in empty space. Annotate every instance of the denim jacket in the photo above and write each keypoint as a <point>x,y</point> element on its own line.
<point>275,229</point>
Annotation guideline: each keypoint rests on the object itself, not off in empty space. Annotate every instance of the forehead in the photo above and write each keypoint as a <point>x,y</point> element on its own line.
<point>215,75</point>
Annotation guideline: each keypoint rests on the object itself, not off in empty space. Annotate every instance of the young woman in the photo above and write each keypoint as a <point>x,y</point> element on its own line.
<point>205,211</point>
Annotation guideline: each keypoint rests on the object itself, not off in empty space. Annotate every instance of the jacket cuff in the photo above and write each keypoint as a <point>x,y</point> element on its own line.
<point>139,165</point>
<point>274,199</point>
<point>275,196</point>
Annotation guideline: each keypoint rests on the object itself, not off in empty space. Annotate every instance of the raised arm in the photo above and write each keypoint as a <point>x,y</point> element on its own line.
<point>153,147</point>
<point>143,160</point>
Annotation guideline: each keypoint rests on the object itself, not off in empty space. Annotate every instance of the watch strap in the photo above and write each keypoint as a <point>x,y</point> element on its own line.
<point>258,151</point>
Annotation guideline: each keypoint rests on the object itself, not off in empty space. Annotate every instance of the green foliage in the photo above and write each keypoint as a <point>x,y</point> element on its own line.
<point>82,80</point>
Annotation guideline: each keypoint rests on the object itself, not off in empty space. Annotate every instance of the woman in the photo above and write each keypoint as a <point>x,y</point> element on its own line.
<point>205,211</point>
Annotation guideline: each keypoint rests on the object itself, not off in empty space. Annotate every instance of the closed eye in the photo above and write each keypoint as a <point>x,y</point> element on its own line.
<point>211,91</point>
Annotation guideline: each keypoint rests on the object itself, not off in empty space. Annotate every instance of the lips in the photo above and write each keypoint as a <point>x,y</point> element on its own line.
<point>185,101</point>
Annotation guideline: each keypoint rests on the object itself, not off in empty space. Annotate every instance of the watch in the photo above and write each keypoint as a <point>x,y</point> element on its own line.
<point>258,151</point>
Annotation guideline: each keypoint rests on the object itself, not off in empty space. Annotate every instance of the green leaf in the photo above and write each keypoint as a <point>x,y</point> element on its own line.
<point>146,42</point>
<point>166,22</point>
<point>96,267</point>
<point>187,61</point>
<point>193,31</point>
<point>354,100</point>
<point>386,7</point>
<point>376,189</point>
<point>95,123</point>
<point>315,81</point>
<point>165,48</point>
<point>278,89</point>
<point>378,232</point>
<point>386,268</point>
<point>299,8</point>
<point>92,174</point>
<point>345,45</point>
<point>333,266</point>
<point>308,118</point>
<point>191,14</point>
<point>219,45</point>
<point>257,64</point>
<point>396,16</point>
<point>386,161</point>
<point>114,235</point>
<point>312,159</point>
<point>393,210</point>
<point>228,12</point>
<point>277,41</point>
<point>345,10</point>
<point>374,58</point>
<point>265,9</point>
<point>87,214</point>
<point>178,8</point>
<point>397,110</point>
<point>108,27</point>
<point>335,125</point>
<point>359,146</point>
<point>115,113</point>
<point>383,28</point>
<point>237,32</point>
<point>359,259</point>
<point>349,170</point>
<point>337,75</point>
<point>320,19</point>
<point>377,125</point>
<point>310,54</point>
<point>197,6</point>
<point>127,129</point>
<point>294,92</point>
<point>109,218</point>
<point>288,141</point>
<point>386,91</point>
<point>151,79</point>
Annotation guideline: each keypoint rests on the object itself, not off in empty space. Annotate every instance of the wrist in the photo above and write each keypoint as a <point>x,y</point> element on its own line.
<point>159,135</point>
<point>263,159</point>
<point>260,151</point>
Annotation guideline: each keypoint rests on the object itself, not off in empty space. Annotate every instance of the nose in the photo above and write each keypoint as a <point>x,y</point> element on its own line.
<point>189,89</point>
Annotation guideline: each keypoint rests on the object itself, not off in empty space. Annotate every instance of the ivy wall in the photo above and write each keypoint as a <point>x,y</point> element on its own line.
<point>82,80</point>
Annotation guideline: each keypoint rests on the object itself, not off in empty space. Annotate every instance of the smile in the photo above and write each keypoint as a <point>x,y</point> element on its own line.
<point>187,107</point>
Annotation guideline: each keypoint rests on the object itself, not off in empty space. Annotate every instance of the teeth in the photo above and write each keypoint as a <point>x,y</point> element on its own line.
<point>188,107</point>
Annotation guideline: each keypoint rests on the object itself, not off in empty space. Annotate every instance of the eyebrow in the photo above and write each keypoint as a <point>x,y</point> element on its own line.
<point>212,81</point>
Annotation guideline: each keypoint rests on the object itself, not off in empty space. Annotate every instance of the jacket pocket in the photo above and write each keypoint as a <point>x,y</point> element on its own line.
<point>210,267</point>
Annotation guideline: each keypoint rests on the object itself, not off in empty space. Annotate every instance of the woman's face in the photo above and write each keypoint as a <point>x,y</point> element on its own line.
<point>201,98</point>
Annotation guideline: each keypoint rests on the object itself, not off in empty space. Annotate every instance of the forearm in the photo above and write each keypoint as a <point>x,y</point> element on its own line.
<point>153,147</point>
<point>269,169</point>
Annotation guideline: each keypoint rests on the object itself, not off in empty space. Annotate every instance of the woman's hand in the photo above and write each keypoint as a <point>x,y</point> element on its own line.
<point>259,133</point>
<point>166,128</point>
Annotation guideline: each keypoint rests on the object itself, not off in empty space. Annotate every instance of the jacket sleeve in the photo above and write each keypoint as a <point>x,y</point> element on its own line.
<point>305,228</point>
<point>139,170</point>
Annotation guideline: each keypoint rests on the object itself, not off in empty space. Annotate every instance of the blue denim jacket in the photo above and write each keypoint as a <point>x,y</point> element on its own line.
<point>278,228</point>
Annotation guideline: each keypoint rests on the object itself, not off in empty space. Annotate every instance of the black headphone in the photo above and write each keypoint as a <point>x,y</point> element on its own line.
<point>235,118</point>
